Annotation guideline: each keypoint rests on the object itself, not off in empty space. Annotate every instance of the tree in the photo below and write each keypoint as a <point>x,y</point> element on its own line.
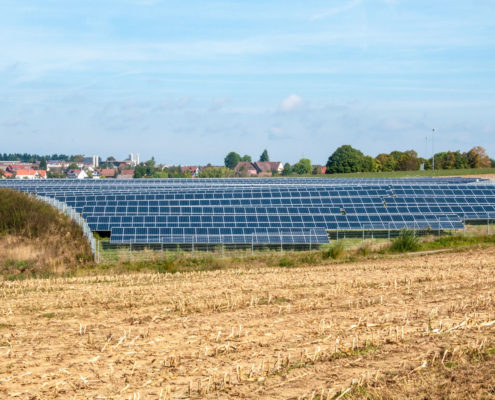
<point>72,166</point>
<point>151,163</point>
<point>232,159</point>
<point>43,164</point>
<point>492,161</point>
<point>216,172</point>
<point>264,156</point>
<point>408,161</point>
<point>345,159</point>
<point>140,171</point>
<point>287,169</point>
<point>477,158</point>
<point>77,158</point>
<point>303,166</point>
<point>246,158</point>
<point>111,159</point>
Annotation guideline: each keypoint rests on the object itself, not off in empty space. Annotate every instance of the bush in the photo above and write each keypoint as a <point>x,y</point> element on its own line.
<point>406,241</point>
<point>335,251</point>
<point>286,261</point>
<point>364,249</point>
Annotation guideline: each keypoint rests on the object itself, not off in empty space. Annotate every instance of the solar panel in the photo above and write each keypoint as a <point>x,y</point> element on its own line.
<point>269,210</point>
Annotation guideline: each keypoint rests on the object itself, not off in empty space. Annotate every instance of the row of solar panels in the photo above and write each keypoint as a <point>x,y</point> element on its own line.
<point>371,209</point>
<point>253,182</point>
<point>289,200</point>
<point>291,222</point>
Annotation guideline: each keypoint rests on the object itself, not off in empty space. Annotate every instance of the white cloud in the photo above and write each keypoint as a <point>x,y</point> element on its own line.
<point>291,103</point>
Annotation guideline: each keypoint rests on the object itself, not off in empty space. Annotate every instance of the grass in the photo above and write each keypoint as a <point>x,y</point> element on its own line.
<point>36,239</point>
<point>342,251</point>
<point>406,241</point>
<point>407,174</point>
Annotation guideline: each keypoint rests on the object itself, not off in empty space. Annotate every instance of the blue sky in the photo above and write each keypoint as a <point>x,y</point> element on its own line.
<point>190,81</point>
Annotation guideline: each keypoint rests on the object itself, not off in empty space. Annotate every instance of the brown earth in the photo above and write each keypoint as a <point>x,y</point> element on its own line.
<point>417,327</point>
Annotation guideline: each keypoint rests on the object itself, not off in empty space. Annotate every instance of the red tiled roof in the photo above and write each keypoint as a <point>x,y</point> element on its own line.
<point>107,172</point>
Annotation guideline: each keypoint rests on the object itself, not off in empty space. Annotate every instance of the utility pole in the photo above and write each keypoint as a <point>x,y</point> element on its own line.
<point>432,149</point>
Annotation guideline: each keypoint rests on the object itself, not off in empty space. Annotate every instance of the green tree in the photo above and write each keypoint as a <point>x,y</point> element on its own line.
<point>232,159</point>
<point>492,161</point>
<point>345,159</point>
<point>43,164</point>
<point>264,156</point>
<point>287,169</point>
<point>216,172</point>
<point>140,171</point>
<point>246,158</point>
<point>72,166</point>
<point>303,166</point>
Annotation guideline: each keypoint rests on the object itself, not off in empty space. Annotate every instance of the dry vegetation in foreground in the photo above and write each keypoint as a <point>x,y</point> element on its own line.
<point>36,239</point>
<point>418,327</point>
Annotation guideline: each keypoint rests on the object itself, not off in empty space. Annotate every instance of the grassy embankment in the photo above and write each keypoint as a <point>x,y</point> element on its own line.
<point>36,239</point>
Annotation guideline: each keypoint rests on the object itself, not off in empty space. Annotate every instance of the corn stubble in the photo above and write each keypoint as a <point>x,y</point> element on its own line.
<point>353,330</point>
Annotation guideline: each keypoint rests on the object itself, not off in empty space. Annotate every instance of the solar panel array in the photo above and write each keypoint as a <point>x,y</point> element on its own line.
<point>265,211</point>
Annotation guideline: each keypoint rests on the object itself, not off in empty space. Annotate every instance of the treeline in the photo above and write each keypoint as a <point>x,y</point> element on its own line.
<point>31,158</point>
<point>346,159</point>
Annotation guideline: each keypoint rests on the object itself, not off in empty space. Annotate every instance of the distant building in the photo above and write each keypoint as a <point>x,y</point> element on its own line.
<point>126,174</point>
<point>259,168</point>
<point>91,161</point>
<point>76,174</point>
<point>29,174</point>
<point>193,170</point>
<point>134,160</point>
<point>268,166</point>
<point>107,172</point>
<point>246,168</point>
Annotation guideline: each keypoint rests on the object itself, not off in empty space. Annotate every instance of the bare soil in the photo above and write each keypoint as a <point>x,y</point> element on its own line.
<point>414,327</point>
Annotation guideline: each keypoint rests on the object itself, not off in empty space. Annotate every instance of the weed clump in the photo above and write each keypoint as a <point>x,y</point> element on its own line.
<point>406,241</point>
<point>335,251</point>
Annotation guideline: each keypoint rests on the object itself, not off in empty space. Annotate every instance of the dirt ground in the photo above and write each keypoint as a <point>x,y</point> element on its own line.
<point>417,327</point>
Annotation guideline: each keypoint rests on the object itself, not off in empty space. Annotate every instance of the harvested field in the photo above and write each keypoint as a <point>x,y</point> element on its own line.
<point>416,327</point>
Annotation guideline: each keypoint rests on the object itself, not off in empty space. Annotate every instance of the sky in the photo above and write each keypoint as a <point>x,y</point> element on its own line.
<point>189,81</point>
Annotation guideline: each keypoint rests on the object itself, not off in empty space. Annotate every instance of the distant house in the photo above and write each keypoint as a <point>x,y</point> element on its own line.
<point>319,169</point>
<point>193,170</point>
<point>56,165</point>
<point>268,166</point>
<point>30,174</point>
<point>246,168</point>
<point>126,174</point>
<point>107,172</point>
<point>258,168</point>
<point>76,174</point>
